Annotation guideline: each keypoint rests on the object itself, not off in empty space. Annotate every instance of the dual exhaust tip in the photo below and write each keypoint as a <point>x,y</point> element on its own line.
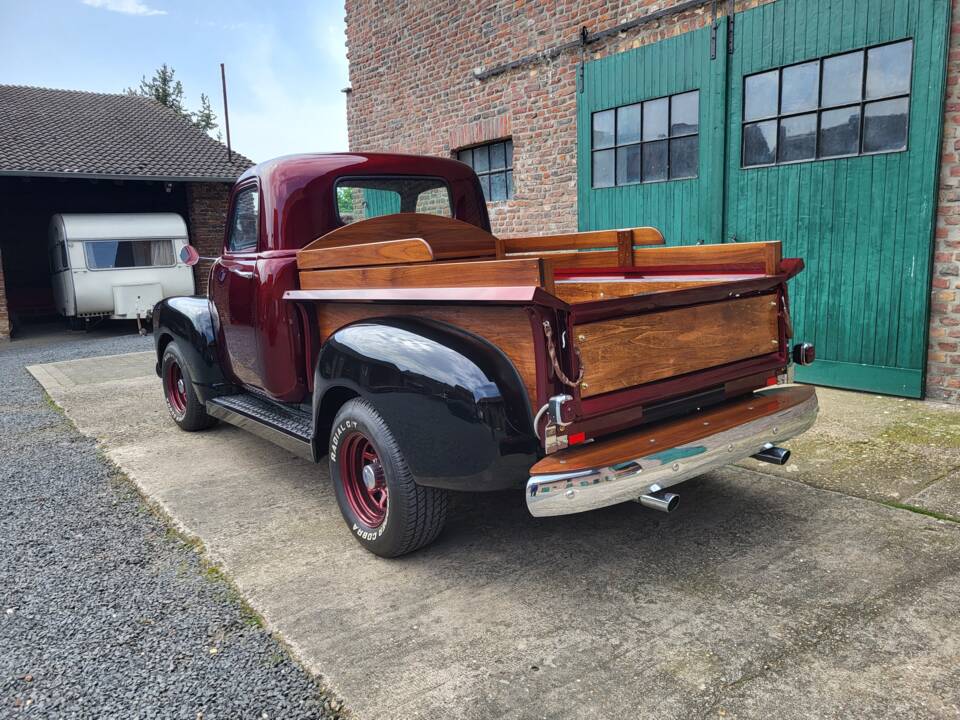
<point>667,501</point>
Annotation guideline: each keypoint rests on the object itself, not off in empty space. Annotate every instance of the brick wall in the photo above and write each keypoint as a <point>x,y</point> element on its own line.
<point>207,205</point>
<point>943,359</point>
<point>4,313</point>
<point>411,70</point>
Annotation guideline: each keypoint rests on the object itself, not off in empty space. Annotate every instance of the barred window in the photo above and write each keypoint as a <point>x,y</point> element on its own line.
<point>493,164</point>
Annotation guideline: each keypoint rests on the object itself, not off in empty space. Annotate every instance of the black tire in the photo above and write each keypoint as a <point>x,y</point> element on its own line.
<point>413,515</point>
<point>185,407</point>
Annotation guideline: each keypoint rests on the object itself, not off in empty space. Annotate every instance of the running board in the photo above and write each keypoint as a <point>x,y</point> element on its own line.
<point>283,426</point>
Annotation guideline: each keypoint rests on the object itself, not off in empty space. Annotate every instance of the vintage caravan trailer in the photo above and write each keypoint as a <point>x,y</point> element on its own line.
<point>117,265</point>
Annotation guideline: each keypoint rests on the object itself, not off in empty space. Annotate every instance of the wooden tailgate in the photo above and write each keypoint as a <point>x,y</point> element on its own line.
<point>639,349</point>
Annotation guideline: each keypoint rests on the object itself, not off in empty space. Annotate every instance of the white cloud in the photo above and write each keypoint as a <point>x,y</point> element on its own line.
<point>127,7</point>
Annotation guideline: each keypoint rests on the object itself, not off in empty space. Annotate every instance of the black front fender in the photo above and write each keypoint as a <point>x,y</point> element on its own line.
<point>454,402</point>
<point>191,322</point>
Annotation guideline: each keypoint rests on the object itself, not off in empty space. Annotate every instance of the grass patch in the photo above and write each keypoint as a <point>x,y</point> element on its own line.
<point>52,404</point>
<point>921,511</point>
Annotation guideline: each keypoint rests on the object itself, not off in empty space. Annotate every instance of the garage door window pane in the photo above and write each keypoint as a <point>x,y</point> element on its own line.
<point>685,114</point>
<point>760,143</point>
<point>655,114</point>
<point>760,95</point>
<point>628,124</point>
<point>603,124</point>
<point>888,70</point>
<point>842,79</point>
<point>655,158</point>
<point>801,88</point>
<point>798,138</point>
<point>603,161</point>
<point>683,157</point>
<point>840,132</point>
<point>628,165</point>
<point>885,126</point>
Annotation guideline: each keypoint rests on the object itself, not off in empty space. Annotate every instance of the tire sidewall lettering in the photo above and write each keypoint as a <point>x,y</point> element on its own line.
<point>365,534</point>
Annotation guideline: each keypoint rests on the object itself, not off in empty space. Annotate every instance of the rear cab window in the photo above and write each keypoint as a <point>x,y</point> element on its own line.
<point>364,198</point>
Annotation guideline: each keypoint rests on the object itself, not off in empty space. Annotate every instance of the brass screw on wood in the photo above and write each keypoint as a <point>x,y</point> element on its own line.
<point>581,338</point>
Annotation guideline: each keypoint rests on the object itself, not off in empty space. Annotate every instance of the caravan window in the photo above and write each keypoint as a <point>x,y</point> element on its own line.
<point>109,254</point>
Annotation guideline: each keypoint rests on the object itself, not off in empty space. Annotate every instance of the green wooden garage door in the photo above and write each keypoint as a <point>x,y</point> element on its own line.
<point>862,222</point>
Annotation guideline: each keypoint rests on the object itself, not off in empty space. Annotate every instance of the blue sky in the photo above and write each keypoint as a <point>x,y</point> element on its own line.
<point>286,61</point>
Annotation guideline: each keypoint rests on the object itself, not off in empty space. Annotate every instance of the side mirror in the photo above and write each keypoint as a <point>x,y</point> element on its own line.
<point>189,255</point>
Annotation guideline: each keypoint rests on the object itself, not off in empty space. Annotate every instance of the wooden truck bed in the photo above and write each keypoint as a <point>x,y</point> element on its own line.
<point>640,312</point>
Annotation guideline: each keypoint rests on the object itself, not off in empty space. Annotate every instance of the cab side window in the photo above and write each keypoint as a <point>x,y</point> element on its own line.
<point>244,221</point>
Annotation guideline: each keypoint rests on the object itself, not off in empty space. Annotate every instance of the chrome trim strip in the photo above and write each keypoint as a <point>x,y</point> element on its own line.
<point>573,492</point>
<point>298,447</point>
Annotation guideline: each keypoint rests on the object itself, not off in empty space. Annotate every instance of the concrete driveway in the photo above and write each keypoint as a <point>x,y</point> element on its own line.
<point>796,594</point>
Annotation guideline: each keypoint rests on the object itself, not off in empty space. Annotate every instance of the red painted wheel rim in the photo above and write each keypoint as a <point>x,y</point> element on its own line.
<point>364,484</point>
<point>176,389</point>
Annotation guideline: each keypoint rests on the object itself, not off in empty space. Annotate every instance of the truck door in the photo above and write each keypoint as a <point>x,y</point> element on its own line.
<point>233,285</point>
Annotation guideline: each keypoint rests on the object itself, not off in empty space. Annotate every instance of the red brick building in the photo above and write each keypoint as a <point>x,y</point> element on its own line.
<point>65,151</point>
<point>831,125</point>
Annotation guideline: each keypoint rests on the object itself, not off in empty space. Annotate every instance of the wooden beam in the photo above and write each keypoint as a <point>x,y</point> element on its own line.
<point>388,252</point>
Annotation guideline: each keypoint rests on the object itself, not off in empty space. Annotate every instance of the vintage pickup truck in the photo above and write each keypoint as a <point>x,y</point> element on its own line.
<point>362,310</point>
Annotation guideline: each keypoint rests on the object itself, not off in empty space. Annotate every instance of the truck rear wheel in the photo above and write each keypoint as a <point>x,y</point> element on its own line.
<point>185,407</point>
<point>387,512</point>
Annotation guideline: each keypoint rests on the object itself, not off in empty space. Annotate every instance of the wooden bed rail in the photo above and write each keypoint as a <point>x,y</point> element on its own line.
<point>622,240</point>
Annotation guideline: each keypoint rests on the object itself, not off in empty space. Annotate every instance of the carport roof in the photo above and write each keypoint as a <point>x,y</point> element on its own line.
<point>69,133</point>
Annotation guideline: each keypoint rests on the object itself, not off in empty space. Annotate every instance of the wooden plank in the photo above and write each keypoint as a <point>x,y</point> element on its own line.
<point>448,238</point>
<point>388,252</point>
<point>656,438</point>
<point>639,349</point>
<point>508,328</point>
<point>512,272</point>
<point>582,240</point>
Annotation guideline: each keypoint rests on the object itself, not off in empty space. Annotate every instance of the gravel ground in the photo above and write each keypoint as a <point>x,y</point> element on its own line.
<point>104,612</point>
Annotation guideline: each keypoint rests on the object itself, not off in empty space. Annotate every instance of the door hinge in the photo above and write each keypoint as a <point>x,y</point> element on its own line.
<point>713,30</point>
<point>731,12</point>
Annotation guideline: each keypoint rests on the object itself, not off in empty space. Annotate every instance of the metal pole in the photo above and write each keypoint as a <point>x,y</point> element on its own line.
<point>226,112</point>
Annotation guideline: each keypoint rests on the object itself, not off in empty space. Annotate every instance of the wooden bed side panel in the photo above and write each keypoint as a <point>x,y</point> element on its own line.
<point>388,252</point>
<point>511,272</point>
<point>763,255</point>
<point>639,349</point>
<point>508,328</point>
<point>449,238</point>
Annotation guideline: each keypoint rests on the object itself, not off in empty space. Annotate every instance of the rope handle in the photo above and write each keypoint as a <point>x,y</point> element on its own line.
<point>551,351</point>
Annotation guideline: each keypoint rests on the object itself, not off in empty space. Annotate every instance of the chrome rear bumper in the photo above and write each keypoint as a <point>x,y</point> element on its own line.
<point>573,492</point>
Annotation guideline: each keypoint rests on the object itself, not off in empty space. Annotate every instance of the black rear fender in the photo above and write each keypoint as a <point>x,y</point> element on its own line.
<point>454,402</point>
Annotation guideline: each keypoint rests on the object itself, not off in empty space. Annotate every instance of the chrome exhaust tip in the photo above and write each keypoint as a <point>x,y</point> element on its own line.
<point>773,455</point>
<point>662,501</point>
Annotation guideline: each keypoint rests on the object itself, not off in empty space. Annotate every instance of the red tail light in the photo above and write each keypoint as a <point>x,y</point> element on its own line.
<point>576,438</point>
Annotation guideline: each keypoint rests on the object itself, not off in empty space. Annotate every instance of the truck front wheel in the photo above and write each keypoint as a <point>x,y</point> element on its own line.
<point>185,407</point>
<point>387,512</point>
